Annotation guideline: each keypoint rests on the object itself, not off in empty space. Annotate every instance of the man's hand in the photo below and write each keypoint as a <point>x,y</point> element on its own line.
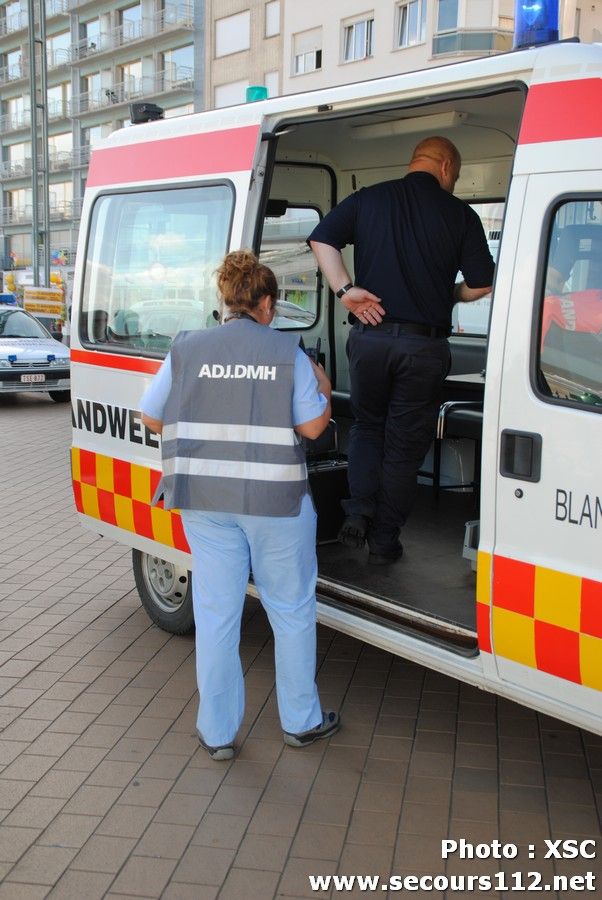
<point>366,307</point>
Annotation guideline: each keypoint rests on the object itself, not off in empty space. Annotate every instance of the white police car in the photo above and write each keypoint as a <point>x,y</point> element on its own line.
<point>30,358</point>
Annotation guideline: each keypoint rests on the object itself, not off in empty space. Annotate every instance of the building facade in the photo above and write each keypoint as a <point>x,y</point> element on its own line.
<point>100,58</point>
<point>243,48</point>
<point>358,40</point>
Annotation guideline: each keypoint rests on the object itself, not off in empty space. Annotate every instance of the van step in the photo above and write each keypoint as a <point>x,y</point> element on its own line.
<point>395,614</point>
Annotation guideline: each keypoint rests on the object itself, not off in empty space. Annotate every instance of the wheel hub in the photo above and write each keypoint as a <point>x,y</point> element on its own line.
<point>167,582</point>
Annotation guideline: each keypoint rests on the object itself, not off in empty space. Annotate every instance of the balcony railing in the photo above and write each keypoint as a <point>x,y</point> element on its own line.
<point>169,19</point>
<point>57,8</point>
<point>471,42</point>
<point>16,22</point>
<point>14,72</point>
<point>20,169</point>
<point>18,215</point>
<point>57,58</point>
<point>57,162</point>
<point>180,78</point>
<point>15,121</point>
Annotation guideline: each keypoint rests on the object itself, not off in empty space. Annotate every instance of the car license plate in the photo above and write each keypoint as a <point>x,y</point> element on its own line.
<point>33,377</point>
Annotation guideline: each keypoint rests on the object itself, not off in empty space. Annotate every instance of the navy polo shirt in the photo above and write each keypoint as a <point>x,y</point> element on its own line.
<point>410,239</point>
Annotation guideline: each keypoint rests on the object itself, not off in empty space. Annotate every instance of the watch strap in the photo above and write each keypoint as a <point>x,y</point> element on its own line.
<point>342,291</point>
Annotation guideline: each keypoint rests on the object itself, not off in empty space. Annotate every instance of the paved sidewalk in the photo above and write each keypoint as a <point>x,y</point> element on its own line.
<point>104,791</point>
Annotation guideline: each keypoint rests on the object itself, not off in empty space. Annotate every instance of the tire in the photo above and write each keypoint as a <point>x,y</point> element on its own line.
<point>165,591</point>
<point>60,396</point>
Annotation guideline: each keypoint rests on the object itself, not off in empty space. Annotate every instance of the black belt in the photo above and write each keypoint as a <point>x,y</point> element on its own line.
<point>396,328</point>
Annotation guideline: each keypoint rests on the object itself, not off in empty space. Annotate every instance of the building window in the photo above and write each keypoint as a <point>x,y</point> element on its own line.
<point>272,18</point>
<point>96,133</point>
<point>178,64</point>
<point>357,40</point>
<point>233,34</point>
<point>307,51</point>
<point>411,23</point>
<point>447,18</point>
<point>308,62</point>
<point>58,100</point>
<point>272,82</point>
<point>58,49</point>
<point>175,111</point>
<point>130,22</point>
<point>230,94</point>
<point>130,76</point>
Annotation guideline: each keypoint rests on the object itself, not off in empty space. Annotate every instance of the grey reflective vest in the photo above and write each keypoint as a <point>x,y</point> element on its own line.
<point>228,442</point>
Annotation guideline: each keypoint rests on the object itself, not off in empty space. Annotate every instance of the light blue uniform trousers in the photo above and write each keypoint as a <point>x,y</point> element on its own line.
<point>281,553</point>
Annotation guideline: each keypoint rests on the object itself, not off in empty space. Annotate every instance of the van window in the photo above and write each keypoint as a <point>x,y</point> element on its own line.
<point>570,354</point>
<point>285,251</point>
<point>473,318</point>
<point>149,268</point>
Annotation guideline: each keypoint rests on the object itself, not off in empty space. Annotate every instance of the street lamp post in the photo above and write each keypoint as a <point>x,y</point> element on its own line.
<point>39,107</point>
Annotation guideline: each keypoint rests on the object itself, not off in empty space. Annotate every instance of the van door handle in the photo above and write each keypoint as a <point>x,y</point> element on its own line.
<point>520,455</point>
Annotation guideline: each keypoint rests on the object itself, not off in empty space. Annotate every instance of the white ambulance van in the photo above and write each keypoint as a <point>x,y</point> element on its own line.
<point>520,445</point>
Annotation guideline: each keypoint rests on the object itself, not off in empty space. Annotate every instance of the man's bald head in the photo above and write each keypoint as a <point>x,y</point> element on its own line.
<point>438,156</point>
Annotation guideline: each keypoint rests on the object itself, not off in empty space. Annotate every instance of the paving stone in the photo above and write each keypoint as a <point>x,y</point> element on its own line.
<point>102,853</point>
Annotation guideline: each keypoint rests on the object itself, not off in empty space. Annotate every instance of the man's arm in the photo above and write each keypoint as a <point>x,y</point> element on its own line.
<point>465,294</point>
<point>364,305</point>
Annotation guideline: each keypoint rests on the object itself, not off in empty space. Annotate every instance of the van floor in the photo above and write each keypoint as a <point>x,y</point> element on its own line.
<point>432,576</point>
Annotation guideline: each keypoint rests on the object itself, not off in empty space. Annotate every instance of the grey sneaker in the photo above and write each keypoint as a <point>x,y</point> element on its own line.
<point>226,751</point>
<point>331,722</point>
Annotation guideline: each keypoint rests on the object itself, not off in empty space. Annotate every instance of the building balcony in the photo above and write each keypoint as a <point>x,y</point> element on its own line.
<point>15,121</point>
<point>15,72</point>
<point>12,170</point>
<point>14,23</point>
<point>470,42</point>
<point>23,215</point>
<point>57,8</point>
<point>57,162</point>
<point>179,78</point>
<point>167,20</point>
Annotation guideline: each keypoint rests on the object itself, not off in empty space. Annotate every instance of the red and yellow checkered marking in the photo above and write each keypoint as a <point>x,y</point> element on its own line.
<point>120,493</point>
<point>544,619</point>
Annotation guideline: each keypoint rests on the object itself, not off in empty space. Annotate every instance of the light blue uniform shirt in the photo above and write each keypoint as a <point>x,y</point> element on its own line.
<point>308,404</point>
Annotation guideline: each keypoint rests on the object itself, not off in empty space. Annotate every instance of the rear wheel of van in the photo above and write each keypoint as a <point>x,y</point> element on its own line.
<point>165,591</point>
<point>60,396</point>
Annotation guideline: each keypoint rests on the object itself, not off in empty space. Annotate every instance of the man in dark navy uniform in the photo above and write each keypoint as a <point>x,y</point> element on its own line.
<point>411,236</point>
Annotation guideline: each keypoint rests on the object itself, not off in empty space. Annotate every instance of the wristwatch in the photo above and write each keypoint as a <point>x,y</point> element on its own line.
<point>342,291</point>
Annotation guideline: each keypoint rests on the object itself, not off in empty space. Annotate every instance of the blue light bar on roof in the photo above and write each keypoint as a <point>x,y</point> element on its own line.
<point>535,22</point>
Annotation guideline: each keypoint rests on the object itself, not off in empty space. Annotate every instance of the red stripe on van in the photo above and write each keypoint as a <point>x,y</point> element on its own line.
<point>562,111</point>
<point>115,361</point>
<point>211,153</point>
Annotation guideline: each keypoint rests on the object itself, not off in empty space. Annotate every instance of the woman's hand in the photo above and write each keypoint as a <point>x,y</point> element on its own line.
<point>366,307</point>
<point>324,385</point>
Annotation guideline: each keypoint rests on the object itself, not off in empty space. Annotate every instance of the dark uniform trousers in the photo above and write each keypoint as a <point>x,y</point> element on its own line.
<point>396,380</point>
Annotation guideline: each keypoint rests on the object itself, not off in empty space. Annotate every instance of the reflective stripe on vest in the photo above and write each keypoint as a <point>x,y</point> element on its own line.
<point>244,434</point>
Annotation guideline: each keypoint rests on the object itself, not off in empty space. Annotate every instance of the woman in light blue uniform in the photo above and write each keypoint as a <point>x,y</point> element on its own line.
<point>228,403</point>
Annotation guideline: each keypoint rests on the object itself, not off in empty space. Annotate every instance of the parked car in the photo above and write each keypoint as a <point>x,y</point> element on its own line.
<point>30,358</point>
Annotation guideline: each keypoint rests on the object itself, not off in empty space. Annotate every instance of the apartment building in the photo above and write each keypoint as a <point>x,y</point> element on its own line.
<point>100,58</point>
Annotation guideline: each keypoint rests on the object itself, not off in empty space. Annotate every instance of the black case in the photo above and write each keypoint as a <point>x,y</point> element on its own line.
<point>327,471</point>
<point>328,484</point>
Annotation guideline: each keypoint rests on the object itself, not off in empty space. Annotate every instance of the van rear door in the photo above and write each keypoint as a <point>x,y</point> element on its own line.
<point>546,597</point>
<point>164,202</point>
